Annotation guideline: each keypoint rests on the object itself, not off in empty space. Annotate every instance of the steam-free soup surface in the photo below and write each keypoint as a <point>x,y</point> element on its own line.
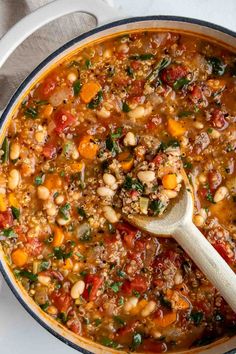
<point>105,134</point>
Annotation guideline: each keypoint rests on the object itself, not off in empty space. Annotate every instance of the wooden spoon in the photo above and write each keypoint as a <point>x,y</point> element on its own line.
<point>177,221</point>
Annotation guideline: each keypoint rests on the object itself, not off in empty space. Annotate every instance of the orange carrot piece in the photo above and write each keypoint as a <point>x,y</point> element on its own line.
<point>53,181</point>
<point>19,257</point>
<point>13,201</point>
<point>141,304</point>
<point>175,128</point>
<point>58,237</point>
<point>179,302</point>
<point>166,320</point>
<point>88,148</point>
<point>169,181</point>
<point>89,91</point>
<point>126,160</point>
<point>68,264</point>
<point>3,203</point>
<point>77,166</point>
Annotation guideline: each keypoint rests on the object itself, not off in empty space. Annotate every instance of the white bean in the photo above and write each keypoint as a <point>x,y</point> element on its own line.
<point>103,113</point>
<point>105,192</point>
<point>137,112</point>
<point>198,220</point>
<point>198,125</point>
<point>109,179</point>
<point>146,176</point>
<point>14,151</point>
<point>178,279</point>
<point>220,194</point>
<point>170,193</point>
<point>51,211</point>
<point>110,214</point>
<point>202,178</point>
<point>130,304</point>
<point>148,309</point>
<point>130,139</point>
<point>62,221</point>
<point>214,134</point>
<point>75,154</point>
<point>52,310</point>
<point>13,179</point>
<point>72,77</point>
<point>40,136</point>
<point>77,289</point>
<point>123,48</point>
<point>44,279</point>
<point>43,193</point>
<point>59,199</point>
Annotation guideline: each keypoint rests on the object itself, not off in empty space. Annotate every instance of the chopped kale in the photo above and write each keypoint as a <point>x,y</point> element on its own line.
<point>196,317</point>
<point>126,108</point>
<point>180,83</point>
<point>157,69</point>
<point>31,112</point>
<point>77,87</point>
<point>64,211</point>
<point>15,212</point>
<point>59,253</point>
<point>96,101</point>
<point>218,67</point>
<point>137,340</point>
<point>28,275</point>
<point>145,56</point>
<point>81,212</point>
<point>156,206</point>
<point>116,286</point>
<point>5,149</point>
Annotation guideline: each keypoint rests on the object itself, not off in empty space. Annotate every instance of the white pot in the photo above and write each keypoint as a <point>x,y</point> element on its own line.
<point>104,14</point>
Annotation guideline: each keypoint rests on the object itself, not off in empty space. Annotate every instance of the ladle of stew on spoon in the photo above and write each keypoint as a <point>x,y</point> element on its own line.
<point>177,222</point>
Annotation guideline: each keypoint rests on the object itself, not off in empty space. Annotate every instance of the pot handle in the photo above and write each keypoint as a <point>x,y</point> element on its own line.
<point>47,13</point>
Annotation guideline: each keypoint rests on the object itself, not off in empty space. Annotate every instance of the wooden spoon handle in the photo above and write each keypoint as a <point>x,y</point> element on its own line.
<point>208,260</point>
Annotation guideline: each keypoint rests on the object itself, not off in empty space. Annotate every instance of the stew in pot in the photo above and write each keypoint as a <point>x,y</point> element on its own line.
<point>104,134</point>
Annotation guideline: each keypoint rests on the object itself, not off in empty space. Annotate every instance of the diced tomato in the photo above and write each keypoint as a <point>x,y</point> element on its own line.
<point>47,87</point>
<point>150,345</point>
<point>215,179</point>
<point>50,150</point>
<point>173,73</point>
<point>222,250</point>
<point>61,300</point>
<point>218,119</point>
<point>34,246</point>
<point>126,330</point>
<point>196,94</point>
<point>21,235</point>
<point>135,64</point>
<point>134,36</point>
<point>121,56</point>
<point>139,284</point>
<point>92,284</point>
<point>158,159</point>
<point>63,119</point>
<point>6,218</point>
<point>140,245</point>
<point>203,192</point>
<point>128,232</point>
<point>153,123</point>
<point>74,325</point>
<point>137,88</point>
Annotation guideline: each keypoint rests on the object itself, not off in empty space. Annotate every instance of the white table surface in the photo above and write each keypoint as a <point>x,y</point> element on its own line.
<point>19,333</point>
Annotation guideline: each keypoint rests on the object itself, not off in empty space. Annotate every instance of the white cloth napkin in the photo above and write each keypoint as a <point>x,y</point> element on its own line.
<point>39,45</point>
